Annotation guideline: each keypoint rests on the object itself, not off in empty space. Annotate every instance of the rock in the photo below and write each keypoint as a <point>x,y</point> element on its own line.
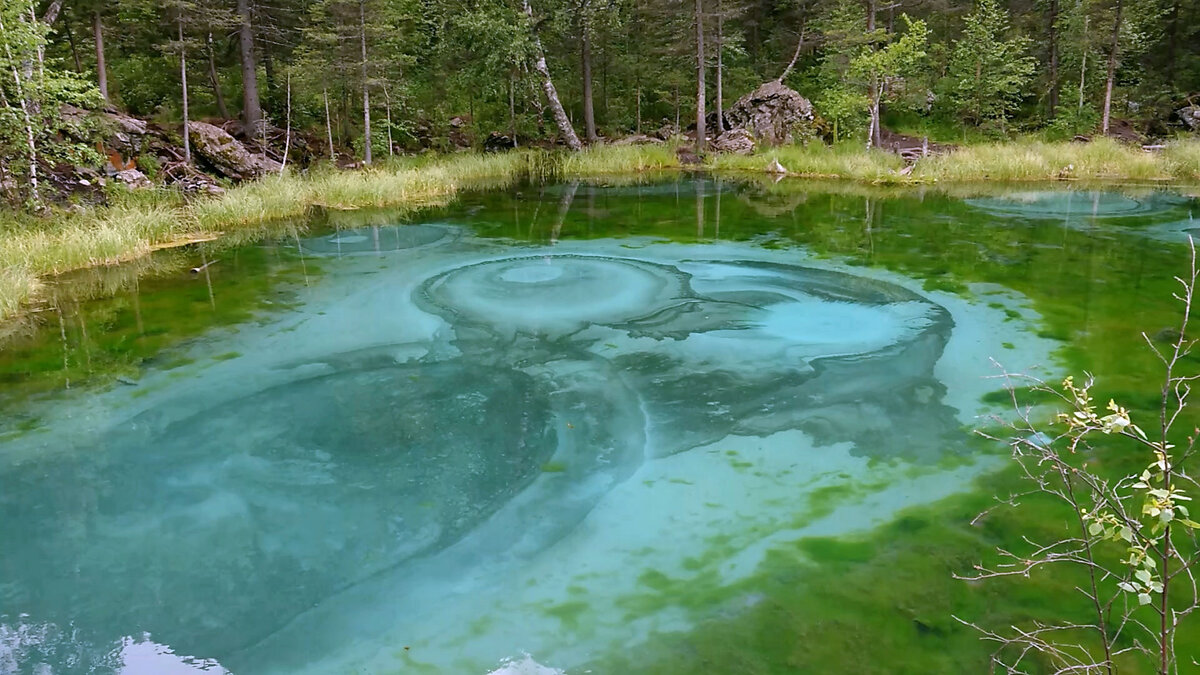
<point>736,141</point>
<point>776,167</point>
<point>132,178</point>
<point>638,139</point>
<point>667,131</point>
<point>227,155</point>
<point>1190,116</point>
<point>498,142</point>
<point>774,114</point>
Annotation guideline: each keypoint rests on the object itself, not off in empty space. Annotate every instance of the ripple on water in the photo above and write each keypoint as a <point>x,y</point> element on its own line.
<point>1077,204</point>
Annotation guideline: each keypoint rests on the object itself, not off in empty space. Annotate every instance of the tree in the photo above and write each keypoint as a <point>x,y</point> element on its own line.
<point>539,66</point>
<point>701,141</point>
<point>988,71</point>
<point>583,13</point>
<point>32,129</point>
<point>865,68</point>
<point>252,115</point>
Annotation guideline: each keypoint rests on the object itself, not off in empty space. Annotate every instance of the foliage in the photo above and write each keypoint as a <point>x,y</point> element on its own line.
<point>1133,537</point>
<point>32,92</point>
<point>989,72</point>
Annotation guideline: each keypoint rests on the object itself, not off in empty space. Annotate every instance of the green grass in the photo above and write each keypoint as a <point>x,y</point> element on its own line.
<point>136,223</point>
<point>1103,159</point>
<point>844,161</point>
<point>1025,160</point>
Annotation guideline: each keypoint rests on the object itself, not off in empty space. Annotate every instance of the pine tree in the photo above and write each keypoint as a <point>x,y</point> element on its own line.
<point>989,70</point>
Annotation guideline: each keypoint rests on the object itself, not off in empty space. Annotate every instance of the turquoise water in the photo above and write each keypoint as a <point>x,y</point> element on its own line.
<point>472,443</point>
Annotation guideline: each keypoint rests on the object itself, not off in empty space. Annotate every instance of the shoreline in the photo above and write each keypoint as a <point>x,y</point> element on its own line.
<point>140,223</point>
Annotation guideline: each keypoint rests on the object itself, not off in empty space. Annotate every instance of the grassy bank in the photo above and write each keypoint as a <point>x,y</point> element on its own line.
<point>1101,160</point>
<point>34,248</point>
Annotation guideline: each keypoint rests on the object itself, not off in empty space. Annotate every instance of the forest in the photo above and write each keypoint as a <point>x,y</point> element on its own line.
<point>361,79</point>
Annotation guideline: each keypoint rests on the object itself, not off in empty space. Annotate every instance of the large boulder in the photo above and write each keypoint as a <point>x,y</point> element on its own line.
<point>1190,116</point>
<point>227,155</point>
<point>736,141</point>
<point>774,114</point>
<point>498,142</point>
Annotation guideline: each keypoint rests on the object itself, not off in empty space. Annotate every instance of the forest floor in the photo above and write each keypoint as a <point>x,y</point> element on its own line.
<point>136,222</point>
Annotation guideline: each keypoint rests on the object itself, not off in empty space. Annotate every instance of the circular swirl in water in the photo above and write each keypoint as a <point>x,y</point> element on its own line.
<point>552,295</point>
<point>375,239</point>
<point>1073,204</point>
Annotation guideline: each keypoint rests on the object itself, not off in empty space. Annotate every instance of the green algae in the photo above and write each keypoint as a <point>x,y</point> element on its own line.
<point>81,342</point>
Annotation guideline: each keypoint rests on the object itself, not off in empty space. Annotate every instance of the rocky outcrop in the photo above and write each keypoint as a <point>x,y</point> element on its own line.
<point>774,114</point>
<point>498,142</point>
<point>227,155</point>
<point>735,141</point>
<point>1190,116</point>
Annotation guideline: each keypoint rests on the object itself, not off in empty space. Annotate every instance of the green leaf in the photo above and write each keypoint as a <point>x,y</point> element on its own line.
<point>1143,598</point>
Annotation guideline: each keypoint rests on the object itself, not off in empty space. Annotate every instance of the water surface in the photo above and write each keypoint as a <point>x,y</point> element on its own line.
<point>567,427</point>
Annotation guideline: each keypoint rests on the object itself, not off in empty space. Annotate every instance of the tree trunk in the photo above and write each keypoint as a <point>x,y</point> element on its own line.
<point>268,62</point>
<point>585,58</point>
<point>1053,37</point>
<point>1083,64</point>
<point>678,128</point>
<point>71,41</point>
<point>875,139</point>
<point>287,142</point>
<point>512,108</point>
<point>639,106</point>
<point>187,135</point>
<point>795,55</point>
<point>222,109</point>
<point>101,70</point>
<point>328,124</point>
<point>700,135</point>
<point>1172,41</point>
<point>539,64</point>
<point>251,108</point>
<point>52,11</point>
<point>720,67</point>
<point>362,36</point>
<point>873,135</point>
<point>387,108</point>
<point>31,143</point>
<point>1112,68</point>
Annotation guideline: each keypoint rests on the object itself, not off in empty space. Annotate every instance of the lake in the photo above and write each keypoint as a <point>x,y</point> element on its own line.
<point>663,425</point>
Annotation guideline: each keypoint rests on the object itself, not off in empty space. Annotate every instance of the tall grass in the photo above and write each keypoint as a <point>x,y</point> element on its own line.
<point>842,161</point>
<point>17,286</point>
<point>1102,159</point>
